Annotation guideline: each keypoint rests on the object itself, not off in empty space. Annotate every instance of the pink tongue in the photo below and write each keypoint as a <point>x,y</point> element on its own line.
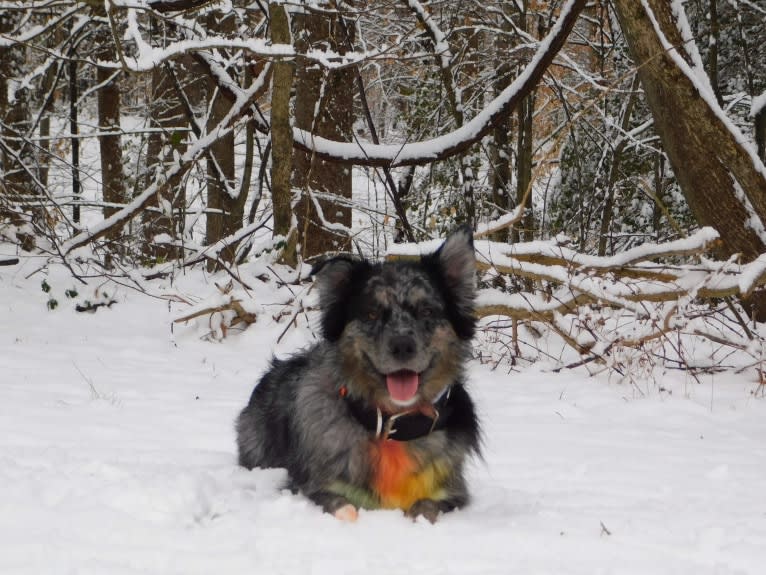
<point>402,385</point>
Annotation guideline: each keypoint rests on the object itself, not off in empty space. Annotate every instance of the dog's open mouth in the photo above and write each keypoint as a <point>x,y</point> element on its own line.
<point>402,386</point>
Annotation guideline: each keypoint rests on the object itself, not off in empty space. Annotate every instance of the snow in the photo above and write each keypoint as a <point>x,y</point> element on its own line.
<point>491,251</point>
<point>504,221</point>
<point>117,455</point>
<point>563,261</point>
<point>690,47</point>
<point>751,273</point>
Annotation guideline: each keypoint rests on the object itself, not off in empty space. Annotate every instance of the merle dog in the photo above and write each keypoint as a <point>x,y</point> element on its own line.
<point>376,414</point>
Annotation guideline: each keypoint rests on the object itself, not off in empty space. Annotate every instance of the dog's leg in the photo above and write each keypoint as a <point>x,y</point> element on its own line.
<point>335,505</point>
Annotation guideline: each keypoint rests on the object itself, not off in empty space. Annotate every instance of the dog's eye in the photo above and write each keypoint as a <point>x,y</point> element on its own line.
<point>426,311</point>
<point>373,315</point>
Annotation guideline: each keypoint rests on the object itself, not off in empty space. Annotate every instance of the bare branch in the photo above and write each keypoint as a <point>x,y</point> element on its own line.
<point>239,109</point>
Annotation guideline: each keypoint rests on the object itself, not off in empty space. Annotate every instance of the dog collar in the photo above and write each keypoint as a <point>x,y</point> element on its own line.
<point>402,426</point>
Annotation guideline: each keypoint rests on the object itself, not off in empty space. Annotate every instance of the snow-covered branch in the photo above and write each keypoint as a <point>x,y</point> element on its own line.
<point>227,124</point>
<point>463,137</point>
<point>622,280</point>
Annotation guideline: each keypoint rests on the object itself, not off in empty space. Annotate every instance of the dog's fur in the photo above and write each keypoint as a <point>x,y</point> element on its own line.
<point>377,319</point>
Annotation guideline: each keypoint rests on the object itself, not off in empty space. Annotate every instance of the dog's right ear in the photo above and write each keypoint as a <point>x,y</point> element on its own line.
<point>335,278</point>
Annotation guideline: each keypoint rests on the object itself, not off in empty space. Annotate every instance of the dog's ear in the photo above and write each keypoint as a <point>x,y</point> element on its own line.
<point>456,262</point>
<point>332,273</point>
<point>335,278</point>
<point>457,259</point>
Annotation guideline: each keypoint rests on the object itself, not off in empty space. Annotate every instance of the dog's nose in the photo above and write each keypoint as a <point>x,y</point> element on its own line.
<point>402,347</point>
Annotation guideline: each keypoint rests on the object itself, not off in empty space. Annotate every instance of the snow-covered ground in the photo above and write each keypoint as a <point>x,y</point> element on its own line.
<point>117,456</point>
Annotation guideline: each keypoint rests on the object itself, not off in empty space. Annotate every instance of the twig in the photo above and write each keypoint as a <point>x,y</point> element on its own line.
<point>290,323</point>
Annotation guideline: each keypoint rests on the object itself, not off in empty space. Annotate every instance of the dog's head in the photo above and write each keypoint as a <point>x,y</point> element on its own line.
<point>403,328</point>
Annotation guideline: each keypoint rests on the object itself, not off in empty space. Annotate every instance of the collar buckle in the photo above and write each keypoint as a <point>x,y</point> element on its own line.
<point>403,426</point>
<point>386,425</point>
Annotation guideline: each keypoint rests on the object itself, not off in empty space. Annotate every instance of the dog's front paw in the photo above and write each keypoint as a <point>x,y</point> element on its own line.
<point>427,508</point>
<point>336,505</point>
<point>346,513</point>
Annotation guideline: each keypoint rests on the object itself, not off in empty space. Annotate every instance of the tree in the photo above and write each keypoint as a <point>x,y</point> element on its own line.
<point>167,139</point>
<point>109,114</point>
<point>225,203</point>
<point>723,182</point>
<point>323,105</point>
<point>16,157</point>
<point>281,136</point>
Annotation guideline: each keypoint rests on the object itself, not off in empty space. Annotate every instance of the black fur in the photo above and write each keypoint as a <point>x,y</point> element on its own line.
<point>379,320</point>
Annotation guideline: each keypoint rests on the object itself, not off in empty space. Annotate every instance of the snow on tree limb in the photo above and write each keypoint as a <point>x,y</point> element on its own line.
<point>717,170</point>
<point>723,280</point>
<point>238,109</point>
<point>561,255</point>
<point>147,57</point>
<point>753,203</point>
<point>459,140</point>
<point>623,280</point>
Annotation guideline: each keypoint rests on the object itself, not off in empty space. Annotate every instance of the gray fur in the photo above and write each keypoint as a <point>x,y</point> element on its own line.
<point>458,261</point>
<point>377,319</point>
<point>308,396</point>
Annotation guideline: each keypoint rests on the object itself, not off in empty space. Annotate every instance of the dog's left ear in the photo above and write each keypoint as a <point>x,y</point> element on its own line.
<point>456,262</point>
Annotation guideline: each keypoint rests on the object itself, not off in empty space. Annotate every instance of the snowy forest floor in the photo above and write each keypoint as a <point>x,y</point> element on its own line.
<point>117,455</point>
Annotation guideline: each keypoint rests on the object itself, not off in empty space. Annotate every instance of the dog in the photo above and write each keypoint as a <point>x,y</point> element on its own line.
<point>376,414</point>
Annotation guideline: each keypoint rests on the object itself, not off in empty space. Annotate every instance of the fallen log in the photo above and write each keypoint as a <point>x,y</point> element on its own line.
<point>623,280</point>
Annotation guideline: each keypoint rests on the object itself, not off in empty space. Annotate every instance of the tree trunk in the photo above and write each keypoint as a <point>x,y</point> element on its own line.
<point>16,157</point>
<point>170,121</point>
<point>74,130</point>
<point>501,149</point>
<point>723,183</point>
<point>712,58</point>
<point>282,136</point>
<point>47,98</point>
<point>222,192</point>
<point>760,133</point>
<point>525,152</point>
<point>524,159</point>
<point>324,106</point>
<point>110,144</point>
<point>614,169</point>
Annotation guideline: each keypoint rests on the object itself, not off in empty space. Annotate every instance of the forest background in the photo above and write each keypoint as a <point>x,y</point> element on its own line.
<point>608,154</point>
